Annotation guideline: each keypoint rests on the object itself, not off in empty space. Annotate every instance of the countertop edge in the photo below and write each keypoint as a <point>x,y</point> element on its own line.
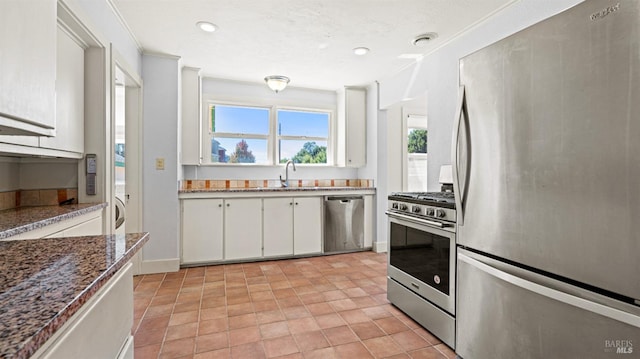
<point>39,339</point>
<point>227,191</point>
<point>51,220</point>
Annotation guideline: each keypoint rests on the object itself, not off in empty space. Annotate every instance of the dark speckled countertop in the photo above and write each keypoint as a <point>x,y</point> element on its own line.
<point>43,282</point>
<point>24,219</point>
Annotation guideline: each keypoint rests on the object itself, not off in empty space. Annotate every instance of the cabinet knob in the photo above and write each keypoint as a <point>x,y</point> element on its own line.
<point>220,205</point>
<point>296,203</point>
<point>228,205</point>
<point>290,203</point>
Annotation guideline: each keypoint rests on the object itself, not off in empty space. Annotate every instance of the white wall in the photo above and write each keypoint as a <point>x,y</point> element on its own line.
<point>48,174</point>
<point>99,14</point>
<point>437,73</point>
<point>161,110</point>
<point>9,174</point>
<point>260,94</point>
<point>370,170</point>
<point>37,173</point>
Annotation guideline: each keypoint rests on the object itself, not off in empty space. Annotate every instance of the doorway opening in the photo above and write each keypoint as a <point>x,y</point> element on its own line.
<point>126,151</point>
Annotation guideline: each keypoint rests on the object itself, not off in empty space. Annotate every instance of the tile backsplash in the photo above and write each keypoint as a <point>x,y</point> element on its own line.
<point>36,197</point>
<point>222,184</point>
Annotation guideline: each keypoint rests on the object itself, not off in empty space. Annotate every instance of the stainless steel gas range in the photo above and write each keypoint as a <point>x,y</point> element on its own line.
<point>422,249</point>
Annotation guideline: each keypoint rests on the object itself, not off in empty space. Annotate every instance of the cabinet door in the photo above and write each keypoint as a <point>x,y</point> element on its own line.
<point>243,228</point>
<point>191,116</point>
<point>278,226</point>
<point>69,97</point>
<point>356,109</point>
<point>307,225</point>
<point>201,230</point>
<point>28,63</point>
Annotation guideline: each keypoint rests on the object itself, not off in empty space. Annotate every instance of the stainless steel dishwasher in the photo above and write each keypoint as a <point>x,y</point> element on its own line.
<point>343,223</point>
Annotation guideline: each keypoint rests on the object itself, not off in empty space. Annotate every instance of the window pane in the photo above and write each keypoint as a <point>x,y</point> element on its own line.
<point>417,141</point>
<point>417,172</point>
<point>301,123</point>
<point>237,150</point>
<point>302,151</point>
<point>237,119</point>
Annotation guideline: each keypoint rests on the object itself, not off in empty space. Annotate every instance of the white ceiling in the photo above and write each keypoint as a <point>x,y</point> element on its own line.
<point>310,41</point>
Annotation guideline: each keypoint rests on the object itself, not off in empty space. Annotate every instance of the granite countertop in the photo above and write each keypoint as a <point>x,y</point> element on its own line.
<point>24,219</point>
<point>45,281</point>
<point>275,189</point>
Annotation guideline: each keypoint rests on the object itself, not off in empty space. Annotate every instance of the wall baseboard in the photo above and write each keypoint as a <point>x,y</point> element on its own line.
<point>380,247</point>
<point>159,266</point>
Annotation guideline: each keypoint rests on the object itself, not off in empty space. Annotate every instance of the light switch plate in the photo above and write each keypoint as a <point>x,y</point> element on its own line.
<point>160,163</point>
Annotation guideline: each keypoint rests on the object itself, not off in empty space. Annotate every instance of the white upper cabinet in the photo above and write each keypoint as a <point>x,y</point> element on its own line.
<point>69,96</point>
<point>351,127</point>
<point>191,116</point>
<point>28,67</point>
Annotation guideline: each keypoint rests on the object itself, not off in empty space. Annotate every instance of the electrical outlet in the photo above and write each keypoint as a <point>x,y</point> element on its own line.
<point>160,163</point>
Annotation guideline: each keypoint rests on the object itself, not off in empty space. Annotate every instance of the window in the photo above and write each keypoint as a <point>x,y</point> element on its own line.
<point>266,135</point>
<point>302,136</point>
<point>239,134</point>
<point>415,173</point>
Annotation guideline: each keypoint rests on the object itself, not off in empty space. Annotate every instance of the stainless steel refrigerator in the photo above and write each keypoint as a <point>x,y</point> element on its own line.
<point>546,157</point>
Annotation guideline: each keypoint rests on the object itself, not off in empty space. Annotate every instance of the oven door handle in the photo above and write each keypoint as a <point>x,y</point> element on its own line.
<point>416,221</point>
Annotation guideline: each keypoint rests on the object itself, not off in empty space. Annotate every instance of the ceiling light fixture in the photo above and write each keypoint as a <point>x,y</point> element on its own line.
<point>277,82</point>
<point>421,40</point>
<point>206,26</point>
<point>360,51</point>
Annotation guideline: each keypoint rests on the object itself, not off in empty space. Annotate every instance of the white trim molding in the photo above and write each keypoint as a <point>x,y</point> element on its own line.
<point>380,247</point>
<point>159,266</point>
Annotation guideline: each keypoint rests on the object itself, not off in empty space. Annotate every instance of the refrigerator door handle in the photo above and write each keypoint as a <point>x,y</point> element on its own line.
<point>455,158</point>
<point>554,294</point>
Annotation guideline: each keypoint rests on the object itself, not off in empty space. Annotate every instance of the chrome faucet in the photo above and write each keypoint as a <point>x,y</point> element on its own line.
<point>285,182</point>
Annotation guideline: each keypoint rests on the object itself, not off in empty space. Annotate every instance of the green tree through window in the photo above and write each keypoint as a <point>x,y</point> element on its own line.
<point>417,141</point>
<point>310,153</point>
<point>242,154</point>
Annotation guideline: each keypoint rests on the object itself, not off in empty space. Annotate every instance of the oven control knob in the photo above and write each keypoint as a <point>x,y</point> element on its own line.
<point>394,205</point>
<point>430,211</point>
<point>403,207</point>
<point>416,209</point>
<point>440,213</point>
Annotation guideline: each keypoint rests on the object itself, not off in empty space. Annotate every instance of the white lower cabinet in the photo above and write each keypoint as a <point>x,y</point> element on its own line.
<point>101,328</point>
<point>202,230</point>
<point>249,228</point>
<point>242,228</point>
<point>307,225</point>
<point>278,226</point>
<point>292,226</point>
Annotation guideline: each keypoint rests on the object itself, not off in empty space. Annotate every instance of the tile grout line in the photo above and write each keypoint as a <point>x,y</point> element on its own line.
<point>290,272</point>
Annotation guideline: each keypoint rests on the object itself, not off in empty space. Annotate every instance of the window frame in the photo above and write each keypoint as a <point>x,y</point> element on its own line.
<point>405,144</point>
<point>271,138</point>
<point>209,134</point>
<point>327,139</point>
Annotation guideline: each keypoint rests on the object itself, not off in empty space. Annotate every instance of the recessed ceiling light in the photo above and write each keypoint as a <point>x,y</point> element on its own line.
<point>206,26</point>
<point>360,51</point>
<point>421,40</point>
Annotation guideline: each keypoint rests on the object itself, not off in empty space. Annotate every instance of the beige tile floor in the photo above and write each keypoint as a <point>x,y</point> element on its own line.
<point>321,307</point>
